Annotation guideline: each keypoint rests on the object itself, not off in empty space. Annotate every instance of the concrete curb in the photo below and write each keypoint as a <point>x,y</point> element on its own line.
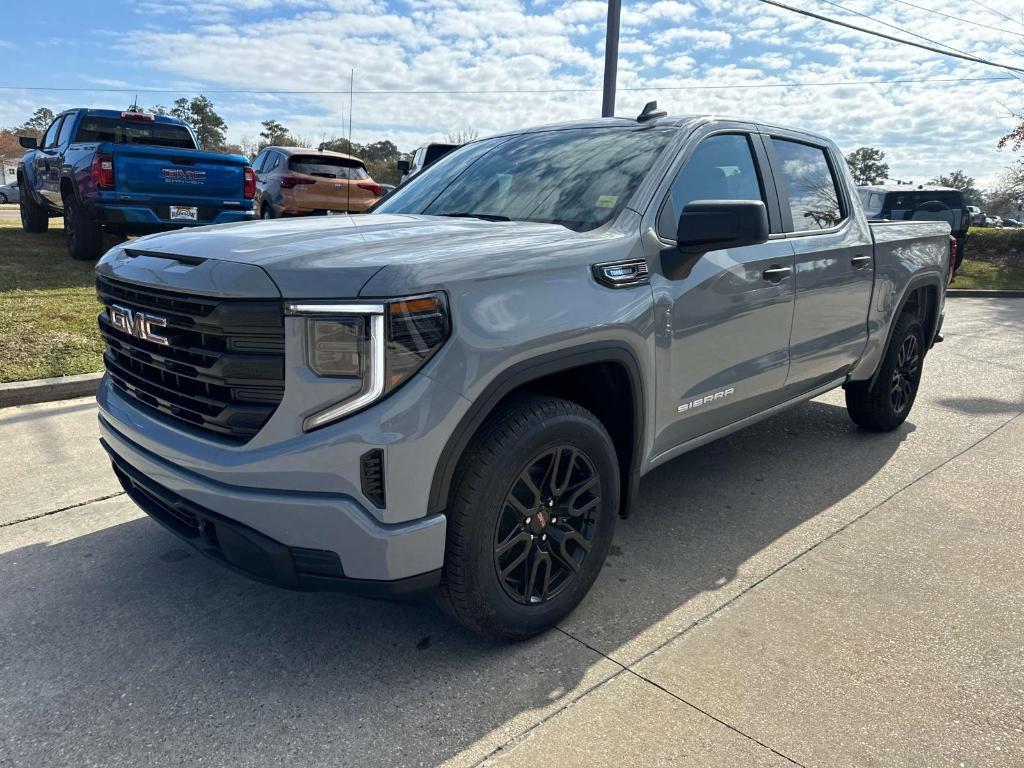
<point>45,390</point>
<point>986,293</point>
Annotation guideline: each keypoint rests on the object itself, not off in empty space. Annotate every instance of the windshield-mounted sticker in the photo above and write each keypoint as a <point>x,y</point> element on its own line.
<point>606,201</point>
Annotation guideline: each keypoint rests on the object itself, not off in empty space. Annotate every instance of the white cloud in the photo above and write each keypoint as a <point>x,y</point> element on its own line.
<point>722,56</point>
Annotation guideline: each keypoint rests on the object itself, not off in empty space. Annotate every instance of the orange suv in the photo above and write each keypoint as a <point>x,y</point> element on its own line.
<point>295,181</point>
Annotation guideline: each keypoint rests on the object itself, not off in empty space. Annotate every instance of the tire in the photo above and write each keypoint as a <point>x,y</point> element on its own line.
<point>34,218</point>
<point>503,518</point>
<point>3,199</point>
<point>84,236</point>
<point>886,405</point>
<point>266,212</point>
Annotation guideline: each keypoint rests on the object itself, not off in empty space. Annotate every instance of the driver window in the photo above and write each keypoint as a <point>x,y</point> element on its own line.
<point>721,168</point>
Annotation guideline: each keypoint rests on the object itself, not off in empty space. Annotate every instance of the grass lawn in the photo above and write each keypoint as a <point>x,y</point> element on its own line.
<point>48,307</point>
<point>989,274</point>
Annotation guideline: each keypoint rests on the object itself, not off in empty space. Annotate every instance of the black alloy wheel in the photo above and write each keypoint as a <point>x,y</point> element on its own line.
<point>905,374</point>
<point>546,526</point>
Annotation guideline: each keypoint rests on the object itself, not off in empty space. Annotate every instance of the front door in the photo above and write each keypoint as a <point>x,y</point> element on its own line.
<point>48,164</point>
<point>724,320</point>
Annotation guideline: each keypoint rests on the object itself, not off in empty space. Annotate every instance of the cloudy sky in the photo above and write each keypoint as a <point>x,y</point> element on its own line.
<point>531,62</point>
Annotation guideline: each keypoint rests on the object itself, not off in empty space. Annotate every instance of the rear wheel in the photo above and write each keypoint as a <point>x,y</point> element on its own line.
<point>84,236</point>
<point>34,218</point>
<point>531,519</point>
<point>885,405</point>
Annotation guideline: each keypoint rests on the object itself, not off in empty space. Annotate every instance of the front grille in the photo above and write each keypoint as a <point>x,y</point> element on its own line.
<point>223,371</point>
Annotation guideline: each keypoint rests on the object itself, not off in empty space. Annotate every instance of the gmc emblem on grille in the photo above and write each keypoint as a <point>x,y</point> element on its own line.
<point>138,324</point>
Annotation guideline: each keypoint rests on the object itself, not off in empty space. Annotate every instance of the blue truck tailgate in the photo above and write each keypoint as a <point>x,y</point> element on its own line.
<point>174,176</point>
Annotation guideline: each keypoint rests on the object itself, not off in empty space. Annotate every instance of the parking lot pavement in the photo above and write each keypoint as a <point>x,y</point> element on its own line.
<point>800,592</point>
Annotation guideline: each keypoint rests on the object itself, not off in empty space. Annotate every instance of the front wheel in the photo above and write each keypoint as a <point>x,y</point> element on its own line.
<point>34,218</point>
<point>3,199</point>
<point>531,520</point>
<point>885,405</point>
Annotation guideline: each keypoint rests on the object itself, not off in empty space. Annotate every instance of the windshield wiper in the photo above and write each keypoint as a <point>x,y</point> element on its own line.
<point>484,216</point>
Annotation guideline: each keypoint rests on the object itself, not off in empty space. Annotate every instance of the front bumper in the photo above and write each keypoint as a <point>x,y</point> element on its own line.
<point>260,531</point>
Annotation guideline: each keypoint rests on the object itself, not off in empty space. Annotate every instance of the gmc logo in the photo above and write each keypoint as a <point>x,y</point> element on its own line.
<point>138,324</point>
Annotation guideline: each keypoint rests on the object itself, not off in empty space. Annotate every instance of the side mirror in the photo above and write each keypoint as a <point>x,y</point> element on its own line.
<point>28,142</point>
<point>709,225</point>
<point>403,166</point>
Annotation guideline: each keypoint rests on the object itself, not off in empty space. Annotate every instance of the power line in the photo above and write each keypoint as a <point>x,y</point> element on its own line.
<point>960,19</point>
<point>897,28</point>
<point>997,13</point>
<point>893,38</point>
<point>498,91</point>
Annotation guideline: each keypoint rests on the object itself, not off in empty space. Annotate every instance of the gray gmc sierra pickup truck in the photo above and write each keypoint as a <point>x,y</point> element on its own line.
<point>460,391</point>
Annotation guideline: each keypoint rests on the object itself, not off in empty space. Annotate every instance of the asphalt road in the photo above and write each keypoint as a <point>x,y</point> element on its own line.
<point>799,593</point>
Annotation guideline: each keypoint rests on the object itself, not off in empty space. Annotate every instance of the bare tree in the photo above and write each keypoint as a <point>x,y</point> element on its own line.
<point>463,136</point>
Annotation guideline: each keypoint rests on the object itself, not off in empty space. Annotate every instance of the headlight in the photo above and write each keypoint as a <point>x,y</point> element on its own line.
<point>380,346</point>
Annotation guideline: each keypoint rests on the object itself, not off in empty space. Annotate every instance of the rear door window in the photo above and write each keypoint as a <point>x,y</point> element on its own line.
<point>806,174</point>
<point>721,168</point>
<point>65,131</point>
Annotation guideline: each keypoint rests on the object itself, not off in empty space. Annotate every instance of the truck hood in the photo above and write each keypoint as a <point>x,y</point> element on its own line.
<point>336,256</point>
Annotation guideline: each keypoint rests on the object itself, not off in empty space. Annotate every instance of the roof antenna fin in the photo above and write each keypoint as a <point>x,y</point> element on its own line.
<point>650,112</point>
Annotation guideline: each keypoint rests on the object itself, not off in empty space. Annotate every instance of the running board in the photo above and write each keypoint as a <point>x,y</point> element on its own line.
<point>736,426</point>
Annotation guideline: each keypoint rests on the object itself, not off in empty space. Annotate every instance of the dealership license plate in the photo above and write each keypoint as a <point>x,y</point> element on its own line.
<point>184,213</point>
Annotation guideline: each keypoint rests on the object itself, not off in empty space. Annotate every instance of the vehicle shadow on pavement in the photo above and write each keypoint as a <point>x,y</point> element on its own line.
<point>706,515</point>
<point>123,647</point>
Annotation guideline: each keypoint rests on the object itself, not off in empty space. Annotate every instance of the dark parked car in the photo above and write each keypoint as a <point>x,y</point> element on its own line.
<point>902,202</point>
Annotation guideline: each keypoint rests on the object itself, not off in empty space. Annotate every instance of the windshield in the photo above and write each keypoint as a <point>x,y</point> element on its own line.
<point>579,177</point>
<point>329,167</point>
<point>150,134</point>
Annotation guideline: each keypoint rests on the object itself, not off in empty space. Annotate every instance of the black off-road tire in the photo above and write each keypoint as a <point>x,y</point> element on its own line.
<point>84,236</point>
<point>885,406</point>
<point>34,218</point>
<point>513,443</point>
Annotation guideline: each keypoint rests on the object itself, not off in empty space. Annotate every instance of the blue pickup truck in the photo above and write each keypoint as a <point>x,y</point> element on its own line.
<point>127,173</point>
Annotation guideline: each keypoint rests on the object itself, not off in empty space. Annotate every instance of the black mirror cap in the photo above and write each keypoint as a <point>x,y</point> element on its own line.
<point>710,225</point>
<point>403,166</point>
<point>28,142</point>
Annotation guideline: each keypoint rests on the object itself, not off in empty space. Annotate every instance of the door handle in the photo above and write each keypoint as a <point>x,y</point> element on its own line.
<point>860,261</point>
<point>775,273</point>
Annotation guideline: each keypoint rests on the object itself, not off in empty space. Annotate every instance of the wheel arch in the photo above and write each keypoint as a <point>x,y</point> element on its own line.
<point>921,295</point>
<point>583,375</point>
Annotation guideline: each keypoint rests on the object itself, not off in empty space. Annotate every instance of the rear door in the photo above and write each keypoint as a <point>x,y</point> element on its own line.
<point>834,259</point>
<point>723,352</point>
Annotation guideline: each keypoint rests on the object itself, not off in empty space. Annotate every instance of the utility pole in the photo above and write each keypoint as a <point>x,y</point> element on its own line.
<point>611,58</point>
